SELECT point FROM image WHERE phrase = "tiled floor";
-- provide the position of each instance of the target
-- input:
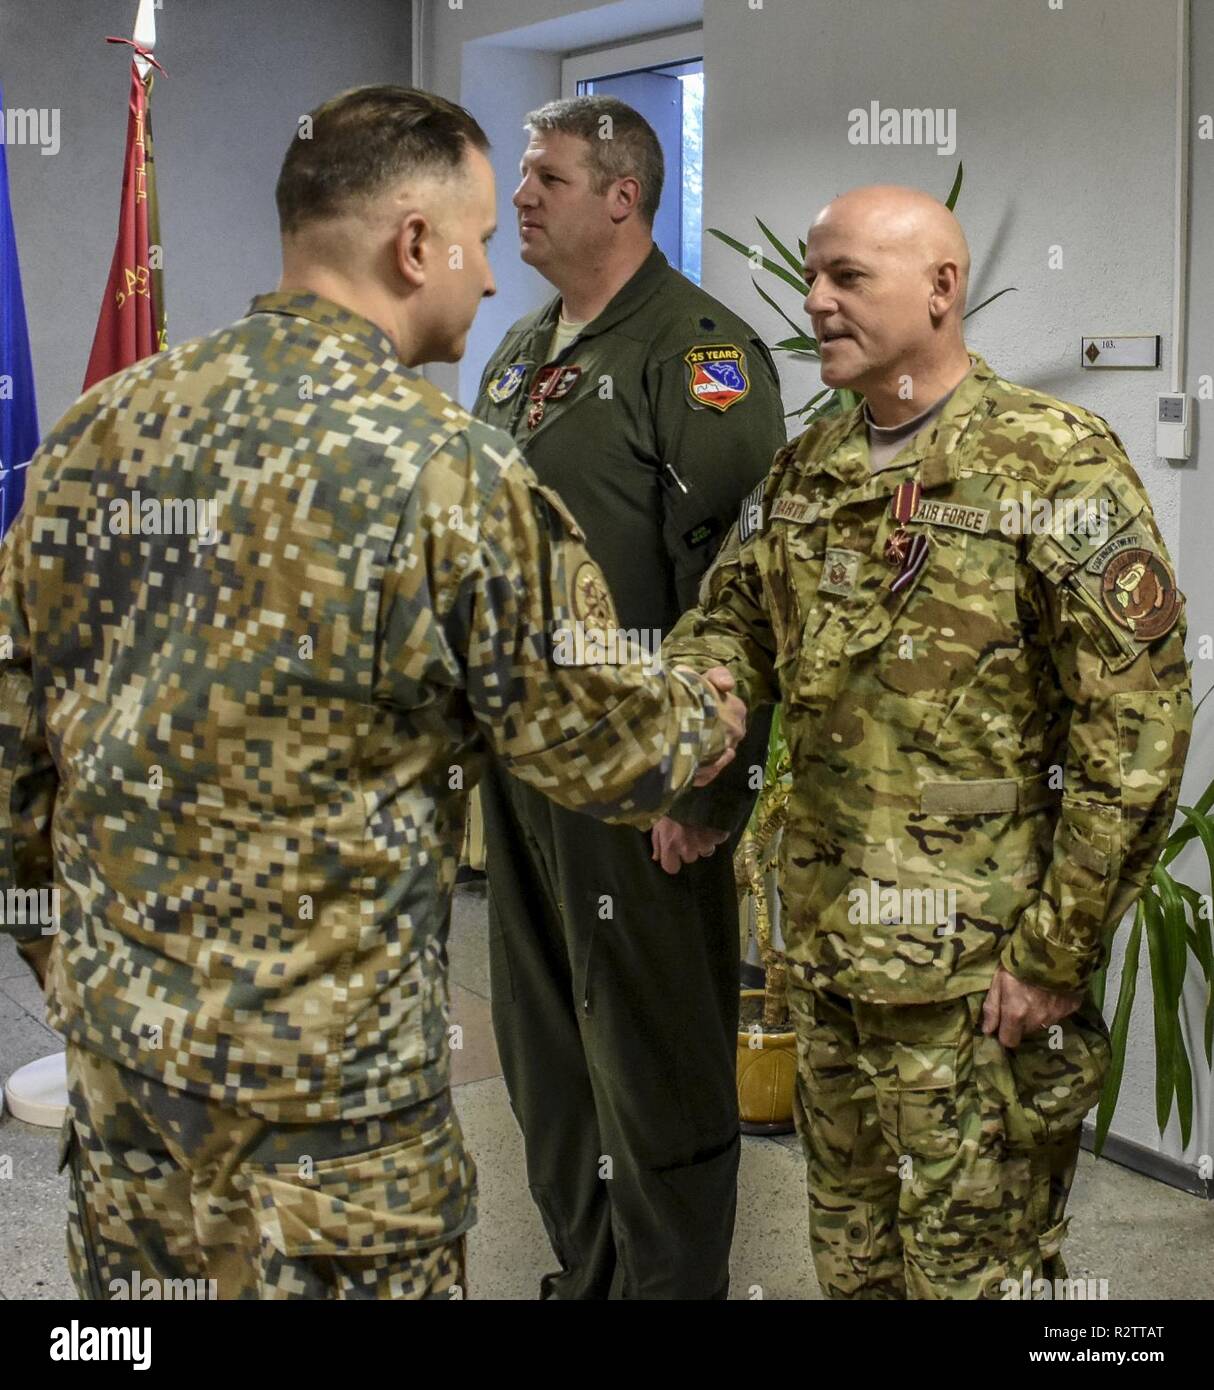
(1147, 1240)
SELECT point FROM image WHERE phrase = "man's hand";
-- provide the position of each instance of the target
(1014, 1009)
(733, 713)
(675, 844)
(36, 953)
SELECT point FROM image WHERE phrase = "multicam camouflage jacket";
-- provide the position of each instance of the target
(980, 655)
(270, 600)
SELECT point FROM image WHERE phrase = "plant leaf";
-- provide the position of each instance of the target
(1184, 1089)
(794, 280)
(1119, 1032)
(1165, 1018)
(809, 404)
(1175, 926)
(797, 328)
(1011, 289)
(951, 201)
(1100, 982)
(1181, 836)
(795, 265)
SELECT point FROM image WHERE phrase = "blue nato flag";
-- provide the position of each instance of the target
(18, 409)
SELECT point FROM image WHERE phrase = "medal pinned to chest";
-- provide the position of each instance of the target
(905, 552)
(550, 384)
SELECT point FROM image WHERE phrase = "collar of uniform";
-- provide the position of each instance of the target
(936, 451)
(305, 305)
(630, 296)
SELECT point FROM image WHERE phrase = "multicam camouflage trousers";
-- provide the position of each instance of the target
(938, 1162)
(175, 1197)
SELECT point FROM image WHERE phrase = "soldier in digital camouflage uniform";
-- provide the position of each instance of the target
(988, 722)
(244, 756)
(652, 410)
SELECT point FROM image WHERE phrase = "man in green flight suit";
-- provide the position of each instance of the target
(652, 410)
(959, 595)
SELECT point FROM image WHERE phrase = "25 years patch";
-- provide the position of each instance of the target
(717, 375)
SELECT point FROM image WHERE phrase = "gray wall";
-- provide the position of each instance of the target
(240, 73)
(1065, 121)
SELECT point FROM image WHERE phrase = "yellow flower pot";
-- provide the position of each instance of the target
(767, 1072)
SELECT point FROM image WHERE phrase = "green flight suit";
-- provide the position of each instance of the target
(615, 984)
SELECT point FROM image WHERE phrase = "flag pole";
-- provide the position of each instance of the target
(145, 36)
(37, 1092)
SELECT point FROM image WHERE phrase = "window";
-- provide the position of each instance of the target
(663, 79)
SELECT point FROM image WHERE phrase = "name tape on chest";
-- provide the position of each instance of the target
(793, 507)
(716, 375)
(934, 512)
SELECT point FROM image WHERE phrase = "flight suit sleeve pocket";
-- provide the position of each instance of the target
(1086, 870)
(403, 1199)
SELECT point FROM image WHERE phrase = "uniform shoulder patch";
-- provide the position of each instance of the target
(750, 518)
(590, 598)
(717, 376)
(1138, 589)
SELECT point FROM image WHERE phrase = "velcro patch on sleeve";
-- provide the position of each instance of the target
(716, 375)
(750, 518)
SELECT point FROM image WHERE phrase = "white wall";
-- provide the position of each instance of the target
(501, 60)
(240, 74)
(1065, 121)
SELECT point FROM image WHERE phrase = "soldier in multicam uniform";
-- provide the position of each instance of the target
(987, 719)
(244, 756)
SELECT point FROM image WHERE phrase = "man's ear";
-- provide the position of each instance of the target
(946, 285)
(413, 247)
(625, 199)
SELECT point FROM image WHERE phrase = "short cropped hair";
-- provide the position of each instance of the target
(631, 150)
(364, 140)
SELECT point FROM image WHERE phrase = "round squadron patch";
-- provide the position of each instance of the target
(1139, 591)
(592, 603)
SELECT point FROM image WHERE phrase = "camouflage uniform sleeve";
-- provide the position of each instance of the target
(730, 626)
(1118, 648)
(28, 778)
(509, 586)
(719, 457)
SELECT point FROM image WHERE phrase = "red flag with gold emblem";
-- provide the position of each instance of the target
(131, 324)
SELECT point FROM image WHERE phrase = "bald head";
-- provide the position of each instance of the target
(888, 269)
(906, 227)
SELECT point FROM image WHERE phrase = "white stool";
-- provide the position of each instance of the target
(37, 1092)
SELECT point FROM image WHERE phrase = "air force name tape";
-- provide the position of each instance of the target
(717, 375)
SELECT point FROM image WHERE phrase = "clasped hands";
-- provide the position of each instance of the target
(733, 714)
(675, 844)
